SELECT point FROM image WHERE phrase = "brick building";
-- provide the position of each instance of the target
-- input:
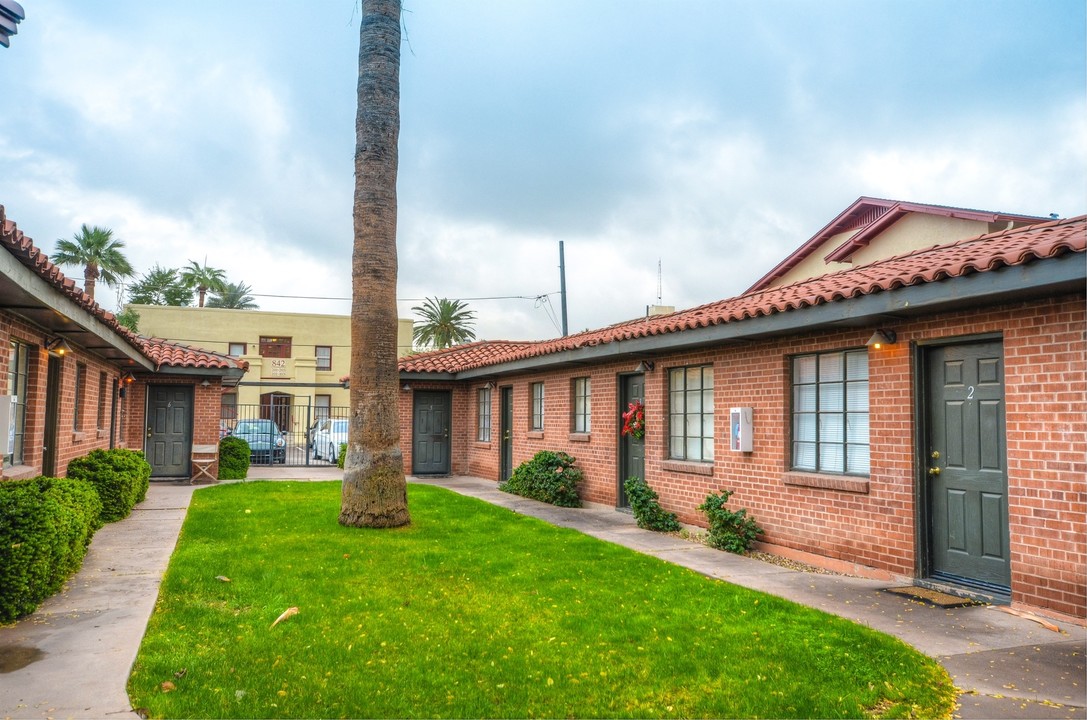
(76, 380)
(917, 412)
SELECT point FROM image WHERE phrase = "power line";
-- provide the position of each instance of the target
(495, 297)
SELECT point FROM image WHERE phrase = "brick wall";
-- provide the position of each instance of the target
(74, 438)
(121, 418)
(868, 523)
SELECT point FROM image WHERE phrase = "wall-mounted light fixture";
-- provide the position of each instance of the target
(882, 337)
(204, 383)
(58, 346)
(489, 385)
(644, 366)
(406, 387)
(128, 378)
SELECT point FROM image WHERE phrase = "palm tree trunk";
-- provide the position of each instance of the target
(90, 278)
(374, 486)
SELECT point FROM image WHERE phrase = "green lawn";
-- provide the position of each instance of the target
(474, 611)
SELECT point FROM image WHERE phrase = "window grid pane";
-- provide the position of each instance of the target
(537, 406)
(830, 412)
(690, 402)
(483, 425)
(582, 405)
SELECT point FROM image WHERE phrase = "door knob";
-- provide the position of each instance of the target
(934, 471)
(935, 454)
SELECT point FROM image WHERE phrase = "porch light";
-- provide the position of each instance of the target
(58, 346)
(128, 378)
(882, 337)
(644, 366)
(406, 387)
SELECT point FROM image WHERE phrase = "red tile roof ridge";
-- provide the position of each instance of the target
(26, 252)
(982, 253)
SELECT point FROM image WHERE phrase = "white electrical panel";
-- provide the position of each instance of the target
(8, 407)
(740, 429)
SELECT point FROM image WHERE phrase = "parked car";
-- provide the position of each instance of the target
(266, 441)
(330, 434)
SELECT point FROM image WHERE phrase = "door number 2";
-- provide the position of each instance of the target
(970, 392)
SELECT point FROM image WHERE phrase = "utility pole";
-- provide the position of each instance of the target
(562, 287)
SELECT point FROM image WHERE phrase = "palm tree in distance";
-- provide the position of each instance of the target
(203, 278)
(233, 296)
(375, 492)
(445, 323)
(98, 252)
(160, 286)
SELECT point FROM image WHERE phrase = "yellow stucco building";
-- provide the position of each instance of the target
(296, 360)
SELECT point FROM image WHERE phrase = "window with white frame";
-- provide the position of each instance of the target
(322, 404)
(236, 349)
(324, 356)
(582, 405)
(536, 421)
(690, 408)
(18, 385)
(483, 415)
(830, 412)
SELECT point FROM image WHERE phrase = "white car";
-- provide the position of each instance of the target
(327, 438)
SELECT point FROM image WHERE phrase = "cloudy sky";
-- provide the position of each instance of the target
(706, 138)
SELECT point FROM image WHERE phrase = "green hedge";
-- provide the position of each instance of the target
(46, 525)
(548, 476)
(119, 475)
(233, 458)
(645, 504)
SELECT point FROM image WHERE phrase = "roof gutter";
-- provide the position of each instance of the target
(1066, 273)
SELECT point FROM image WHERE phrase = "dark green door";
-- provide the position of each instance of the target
(52, 408)
(505, 429)
(169, 430)
(967, 471)
(631, 450)
(430, 433)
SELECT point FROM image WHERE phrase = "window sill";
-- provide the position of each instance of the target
(841, 483)
(535, 434)
(483, 445)
(102, 434)
(78, 436)
(579, 437)
(691, 468)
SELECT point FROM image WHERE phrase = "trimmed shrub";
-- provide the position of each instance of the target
(730, 530)
(233, 458)
(549, 476)
(647, 510)
(120, 476)
(46, 525)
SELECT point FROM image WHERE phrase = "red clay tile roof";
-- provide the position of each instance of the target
(975, 255)
(158, 351)
(168, 354)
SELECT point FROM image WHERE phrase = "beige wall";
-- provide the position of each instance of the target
(913, 232)
(215, 329)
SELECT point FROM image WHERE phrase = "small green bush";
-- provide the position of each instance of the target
(233, 458)
(730, 530)
(647, 510)
(549, 476)
(46, 525)
(341, 457)
(120, 476)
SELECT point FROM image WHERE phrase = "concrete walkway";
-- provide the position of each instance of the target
(72, 657)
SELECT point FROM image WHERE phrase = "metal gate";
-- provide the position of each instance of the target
(300, 427)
